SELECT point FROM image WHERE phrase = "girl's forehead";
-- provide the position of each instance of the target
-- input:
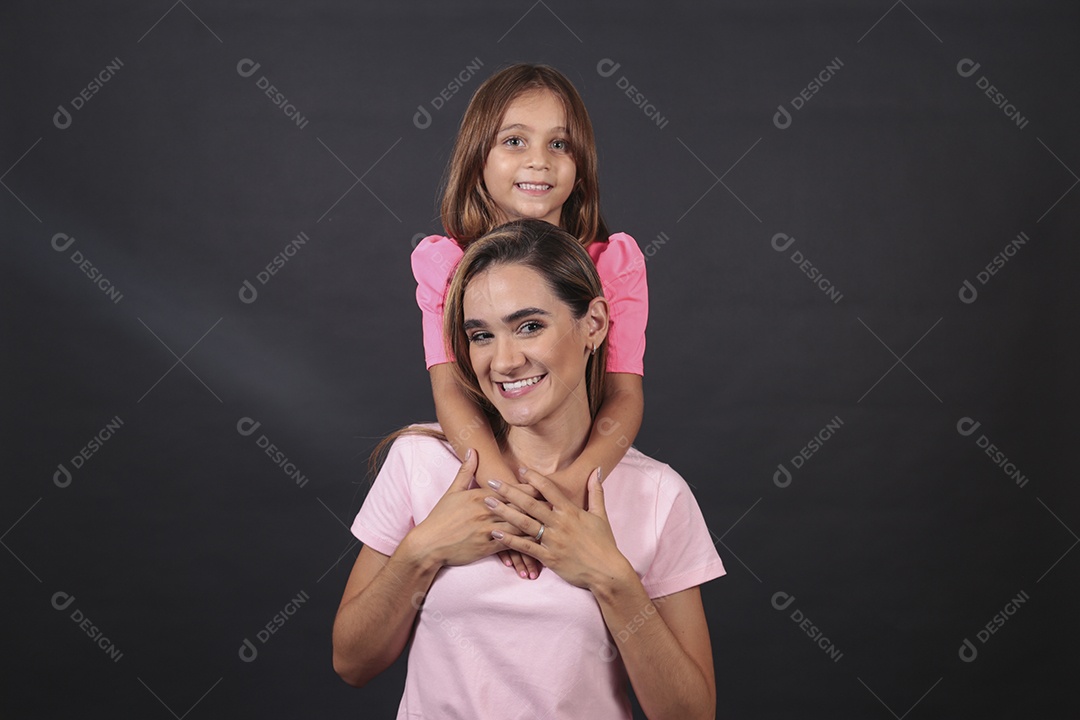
(534, 100)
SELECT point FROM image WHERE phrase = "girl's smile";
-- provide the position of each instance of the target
(530, 170)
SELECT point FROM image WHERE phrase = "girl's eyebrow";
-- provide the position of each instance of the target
(520, 126)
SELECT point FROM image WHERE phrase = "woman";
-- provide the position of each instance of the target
(526, 322)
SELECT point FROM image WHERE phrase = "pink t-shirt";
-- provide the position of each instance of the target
(489, 644)
(622, 273)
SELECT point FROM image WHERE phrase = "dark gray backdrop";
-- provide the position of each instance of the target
(148, 542)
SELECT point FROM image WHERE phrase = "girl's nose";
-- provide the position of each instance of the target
(537, 158)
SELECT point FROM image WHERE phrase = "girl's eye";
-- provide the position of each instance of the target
(479, 337)
(560, 145)
(513, 142)
(531, 327)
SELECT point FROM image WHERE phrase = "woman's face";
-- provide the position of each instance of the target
(527, 350)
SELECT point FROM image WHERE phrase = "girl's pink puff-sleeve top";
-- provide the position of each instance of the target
(622, 273)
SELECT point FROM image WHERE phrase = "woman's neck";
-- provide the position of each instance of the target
(551, 445)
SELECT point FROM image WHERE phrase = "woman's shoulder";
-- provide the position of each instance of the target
(424, 442)
(658, 475)
(424, 435)
(648, 492)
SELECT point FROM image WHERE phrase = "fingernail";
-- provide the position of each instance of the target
(494, 484)
(524, 574)
(599, 474)
(532, 576)
(521, 471)
(497, 534)
(507, 563)
(491, 502)
(468, 454)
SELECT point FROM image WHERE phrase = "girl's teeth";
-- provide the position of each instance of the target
(533, 186)
(522, 383)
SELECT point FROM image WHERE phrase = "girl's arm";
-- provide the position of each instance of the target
(616, 425)
(622, 270)
(465, 427)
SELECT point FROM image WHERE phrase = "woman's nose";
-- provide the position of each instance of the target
(508, 357)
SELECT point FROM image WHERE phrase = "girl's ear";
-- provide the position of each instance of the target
(597, 321)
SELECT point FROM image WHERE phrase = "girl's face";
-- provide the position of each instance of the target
(528, 351)
(530, 170)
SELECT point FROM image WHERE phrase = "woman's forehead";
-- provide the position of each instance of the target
(504, 289)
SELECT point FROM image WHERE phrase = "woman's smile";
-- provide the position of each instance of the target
(517, 388)
(527, 350)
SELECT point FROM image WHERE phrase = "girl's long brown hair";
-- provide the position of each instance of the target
(468, 210)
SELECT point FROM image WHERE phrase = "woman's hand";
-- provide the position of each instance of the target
(458, 529)
(576, 544)
(525, 566)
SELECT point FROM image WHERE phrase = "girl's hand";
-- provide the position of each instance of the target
(576, 544)
(458, 529)
(525, 566)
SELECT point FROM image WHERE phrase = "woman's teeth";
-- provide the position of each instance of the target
(521, 383)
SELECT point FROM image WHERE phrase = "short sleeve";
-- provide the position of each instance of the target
(433, 263)
(622, 272)
(387, 515)
(685, 553)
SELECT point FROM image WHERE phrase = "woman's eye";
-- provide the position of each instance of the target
(530, 327)
(479, 337)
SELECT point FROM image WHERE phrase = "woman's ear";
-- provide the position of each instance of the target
(597, 321)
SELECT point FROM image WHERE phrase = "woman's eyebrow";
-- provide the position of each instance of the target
(510, 319)
(523, 313)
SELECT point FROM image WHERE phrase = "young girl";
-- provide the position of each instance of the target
(525, 149)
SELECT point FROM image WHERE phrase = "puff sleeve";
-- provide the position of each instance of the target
(622, 273)
(433, 263)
